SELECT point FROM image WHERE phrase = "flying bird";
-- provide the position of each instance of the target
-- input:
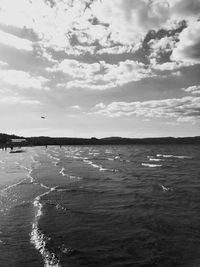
(42, 117)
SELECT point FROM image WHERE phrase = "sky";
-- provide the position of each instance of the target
(100, 68)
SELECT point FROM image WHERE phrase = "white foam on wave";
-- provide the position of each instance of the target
(76, 157)
(98, 166)
(13, 185)
(44, 186)
(153, 159)
(60, 207)
(38, 239)
(68, 175)
(93, 153)
(55, 159)
(173, 156)
(151, 165)
(33, 160)
(77, 154)
(168, 156)
(92, 164)
(74, 177)
(62, 172)
(32, 180)
(182, 157)
(108, 151)
(165, 188)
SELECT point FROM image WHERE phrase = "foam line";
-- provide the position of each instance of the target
(38, 239)
(151, 165)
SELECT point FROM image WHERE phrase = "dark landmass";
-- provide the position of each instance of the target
(45, 141)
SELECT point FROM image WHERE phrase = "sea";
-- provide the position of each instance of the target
(100, 206)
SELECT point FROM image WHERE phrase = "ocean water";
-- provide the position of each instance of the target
(100, 206)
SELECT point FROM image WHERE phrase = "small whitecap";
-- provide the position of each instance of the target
(151, 165)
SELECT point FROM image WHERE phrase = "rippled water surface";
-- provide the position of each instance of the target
(100, 206)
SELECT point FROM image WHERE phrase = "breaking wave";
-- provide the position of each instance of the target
(151, 165)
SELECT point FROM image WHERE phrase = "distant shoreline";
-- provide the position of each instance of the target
(45, 141)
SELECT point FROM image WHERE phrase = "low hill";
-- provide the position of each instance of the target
(45, 140)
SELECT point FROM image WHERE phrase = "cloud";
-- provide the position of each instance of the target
(22, 79)
(159, 49)
(101, 75)
(76, 107)
(64, 23)
(118, 49)
(77, 69)
(16, 42)
(192, 89)
(81, 38)
(188, 48)
(169, 66)
(186, 9)
(175, 108)
(12, 100)
(3, 63)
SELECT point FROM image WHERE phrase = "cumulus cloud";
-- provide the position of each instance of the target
(118, 49)
(101, 75)
(175, 108)
(188, 48)
(195, 89)
(22, 79)
(108, 22)
(158, 47)
(16, 42)
(77, 69)
(75, 36)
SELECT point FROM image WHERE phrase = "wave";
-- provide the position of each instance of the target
(76, 157)
(44, 186)
(173, 156)
(14, 185)
(182, 157)
(160, 187)
(60, 207)
(68, 175)
(151, 165)
(32, 180)
(55, 159)
(38, 239)
(165, 188)
(62, 172)
(108, 151)
(153, 159)
(98, 166)
(28, 176)
(74, 177)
